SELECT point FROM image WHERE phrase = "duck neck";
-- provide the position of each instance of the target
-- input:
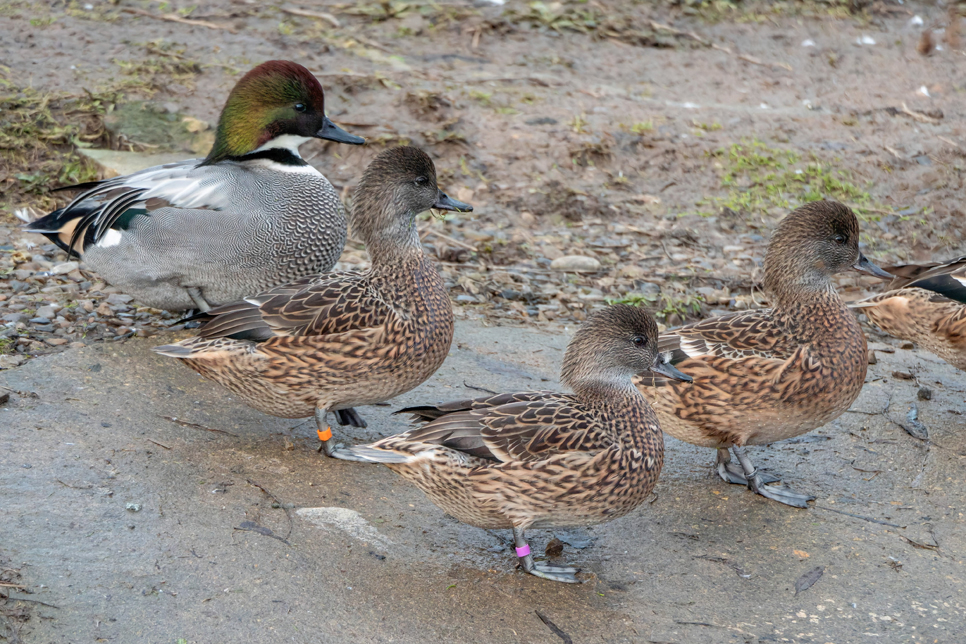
(789, 283)
(389, 248)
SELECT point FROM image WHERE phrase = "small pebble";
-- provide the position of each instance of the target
(902, 375)
(133, 507)
(872, 359)
(925, 393)
(576, 264)
(907, 345)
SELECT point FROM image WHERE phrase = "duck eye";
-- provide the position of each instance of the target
(838, 238)
(638, 340)
(421, 180)
(299, 107)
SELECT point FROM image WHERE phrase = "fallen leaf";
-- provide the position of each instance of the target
(808, 580)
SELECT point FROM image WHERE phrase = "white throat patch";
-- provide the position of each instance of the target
(288, 142)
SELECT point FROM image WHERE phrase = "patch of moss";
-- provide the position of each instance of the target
(39, 135)
(759, 178)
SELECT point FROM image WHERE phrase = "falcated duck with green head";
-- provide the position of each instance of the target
(202, 232)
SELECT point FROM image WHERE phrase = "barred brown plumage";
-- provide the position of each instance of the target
(926, 303)
(341, 339)
(542, 459)
(771, 374)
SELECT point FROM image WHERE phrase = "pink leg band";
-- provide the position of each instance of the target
(524, 550)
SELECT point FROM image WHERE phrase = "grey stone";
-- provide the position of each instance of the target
(576, 264)
(118, 298)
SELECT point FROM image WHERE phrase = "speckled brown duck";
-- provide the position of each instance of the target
(340, 340)
(542, 459)
(926, 303)
(770, 374)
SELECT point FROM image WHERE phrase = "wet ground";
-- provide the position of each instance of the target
(663, 144)
(142, 504)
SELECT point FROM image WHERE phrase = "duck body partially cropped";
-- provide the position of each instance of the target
(925, 303)
(543, 459)
(771, 374)
(339, 340)
(202, 232)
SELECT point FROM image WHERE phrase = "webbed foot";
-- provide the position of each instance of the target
(757, 483)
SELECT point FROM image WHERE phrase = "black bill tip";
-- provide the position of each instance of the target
(333, 132)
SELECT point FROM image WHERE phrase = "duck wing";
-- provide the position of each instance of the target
(330, 304)
(947, 280)
(425, 413)
(745, 334)
(524, 431)
(113, 203)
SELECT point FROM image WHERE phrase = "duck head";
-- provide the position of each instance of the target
(399, 184)
(812, 244)
(612, 346)
(278, 104)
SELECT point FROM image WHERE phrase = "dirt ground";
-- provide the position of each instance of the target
(242, 532)
(663, 140)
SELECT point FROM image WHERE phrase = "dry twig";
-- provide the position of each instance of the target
(171, 17)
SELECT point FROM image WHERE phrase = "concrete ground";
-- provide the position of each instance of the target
(245, 534)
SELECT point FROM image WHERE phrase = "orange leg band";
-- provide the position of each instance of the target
(325, 435)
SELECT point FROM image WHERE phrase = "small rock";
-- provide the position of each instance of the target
(872, 358)
(48, 311)
(119, 298)
(907, 345)
(39, 320)
(104, 310)
(554, 547)
(11, 361)
(63, 269)
(576, 264)
(902, 375)
(925, 393)
(133, 507)
(56, 342)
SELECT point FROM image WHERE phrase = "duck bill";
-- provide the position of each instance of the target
(865, 266)
(445, 202)
(666, 369)
(333, 132)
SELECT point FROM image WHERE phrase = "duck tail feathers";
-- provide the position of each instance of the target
(367, 454)
(173, 350)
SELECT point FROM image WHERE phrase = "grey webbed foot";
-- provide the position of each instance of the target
(757, 483)
(563, 574)
(350, 417)
(731, 472)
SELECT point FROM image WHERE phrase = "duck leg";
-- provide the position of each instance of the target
(756, 483)
(325, 432)
(195, 294)
(731, 472)
(350, 417)
(553, 573)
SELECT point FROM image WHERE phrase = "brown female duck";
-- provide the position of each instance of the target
(542, 459)
(339, 340)
(926, 303)
(770, 374)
